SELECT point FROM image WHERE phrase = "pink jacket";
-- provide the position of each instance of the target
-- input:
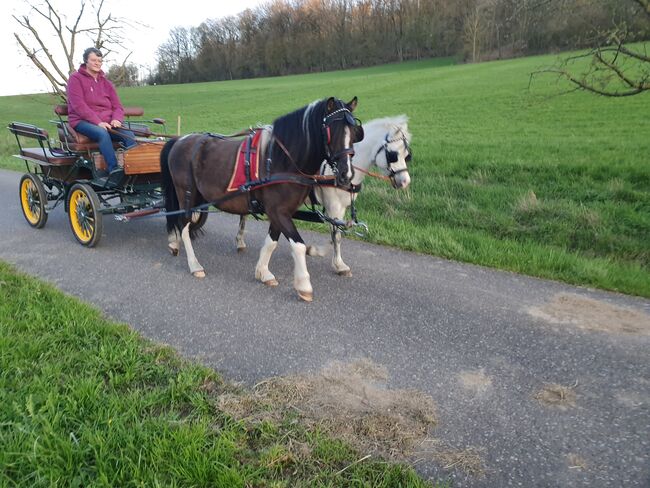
(92, 100)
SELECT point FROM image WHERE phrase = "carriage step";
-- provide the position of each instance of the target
(107, 182)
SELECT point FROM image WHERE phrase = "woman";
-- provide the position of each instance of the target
(95, 110)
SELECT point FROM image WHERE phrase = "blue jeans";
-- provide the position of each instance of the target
(105, 140)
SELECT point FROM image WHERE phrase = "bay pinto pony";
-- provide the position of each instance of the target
(386, 145)
(197, 169)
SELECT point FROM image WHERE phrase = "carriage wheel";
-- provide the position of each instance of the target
(198, 219)
(85, 217)
(33, 199)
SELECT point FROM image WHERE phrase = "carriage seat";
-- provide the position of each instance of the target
(44, 153)
(76, 142)
(52, 157)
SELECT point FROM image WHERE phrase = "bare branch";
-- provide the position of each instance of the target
(58, 86)
(582, 84)
(27, 25)
(55, 21)
(73, 36)
(645, 5)
(634, 54)
(614, 68)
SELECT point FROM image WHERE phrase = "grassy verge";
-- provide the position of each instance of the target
(506, 173)
(86, 402)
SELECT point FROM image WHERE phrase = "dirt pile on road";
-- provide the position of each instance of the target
(594, 315)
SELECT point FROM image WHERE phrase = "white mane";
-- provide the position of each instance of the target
(305, 122)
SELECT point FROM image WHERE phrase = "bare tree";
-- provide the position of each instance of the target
(126, 74)
(473, 27)
(613, 68)
(57, 61)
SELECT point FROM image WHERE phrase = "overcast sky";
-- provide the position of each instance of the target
(151, 21)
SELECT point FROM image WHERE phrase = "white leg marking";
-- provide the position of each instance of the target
(301, 281)
(339, 266)
(349, 159)
(241, 245)
(336, 202)
(262, 272)
(174, 242)
(195, 267)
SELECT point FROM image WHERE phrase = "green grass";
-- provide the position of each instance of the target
(86, 402)
(506, 173)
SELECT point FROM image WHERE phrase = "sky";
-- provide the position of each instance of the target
(150, 20)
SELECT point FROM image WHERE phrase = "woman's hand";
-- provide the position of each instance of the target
(116, 123)
(104, 125)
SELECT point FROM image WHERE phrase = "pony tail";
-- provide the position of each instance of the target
(167, 185)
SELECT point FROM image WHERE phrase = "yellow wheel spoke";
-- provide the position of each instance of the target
(30, 201)
(82, 217)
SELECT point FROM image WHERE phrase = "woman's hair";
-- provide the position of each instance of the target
(94, 51)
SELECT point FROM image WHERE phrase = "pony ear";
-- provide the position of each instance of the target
(331, 104)
(352, 104)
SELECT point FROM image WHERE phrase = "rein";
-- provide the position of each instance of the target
(371, 174)
(142, 134)
(314, 177)
(168, 136)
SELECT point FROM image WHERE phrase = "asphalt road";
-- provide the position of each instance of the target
(431, 323)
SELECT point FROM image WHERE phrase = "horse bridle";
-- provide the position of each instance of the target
(392, 156)
(342, 113)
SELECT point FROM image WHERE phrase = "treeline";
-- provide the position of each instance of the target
(298, 36)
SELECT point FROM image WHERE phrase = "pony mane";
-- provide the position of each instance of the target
(300, 132)
(387, 125)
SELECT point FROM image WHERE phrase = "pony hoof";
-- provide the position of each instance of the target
(173, 251)
(316, 251)
(272, 282)
(346, 273)
(199, 274)
(240, 250)
(306, 296)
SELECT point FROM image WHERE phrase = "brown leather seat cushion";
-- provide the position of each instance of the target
(57, 158)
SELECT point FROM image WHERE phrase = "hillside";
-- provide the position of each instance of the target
(506, 173)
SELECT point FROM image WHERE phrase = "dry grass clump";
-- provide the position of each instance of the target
(554, 395)
(576, 462)
(527, 202)
(467, 460)
(350, 401)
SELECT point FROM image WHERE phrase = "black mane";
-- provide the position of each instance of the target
(304, 141)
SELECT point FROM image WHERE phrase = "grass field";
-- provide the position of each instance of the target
(86, 402)
(506, 173)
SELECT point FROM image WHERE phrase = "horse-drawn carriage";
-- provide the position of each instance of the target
(309, 148)
(67, 169)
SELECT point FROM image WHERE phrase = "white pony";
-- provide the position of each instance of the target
(386, 144)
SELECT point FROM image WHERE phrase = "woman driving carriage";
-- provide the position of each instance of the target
(95, 110)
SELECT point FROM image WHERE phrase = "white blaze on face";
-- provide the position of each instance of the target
(348, 144)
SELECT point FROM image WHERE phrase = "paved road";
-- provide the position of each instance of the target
(459, 333)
